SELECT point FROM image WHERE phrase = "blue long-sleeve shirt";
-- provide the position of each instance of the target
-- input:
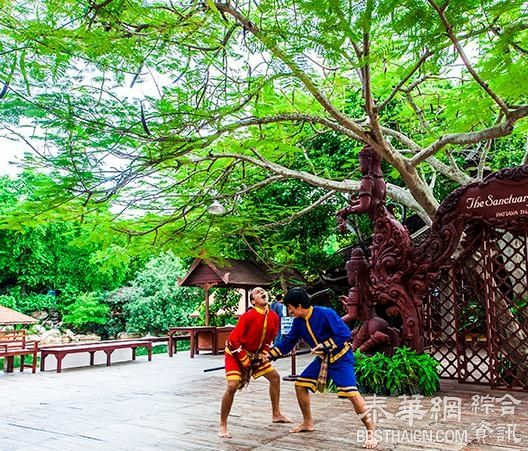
(321, 325)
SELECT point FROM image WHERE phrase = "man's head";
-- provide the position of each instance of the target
(259, 297)
(279, 297)
(298, 302)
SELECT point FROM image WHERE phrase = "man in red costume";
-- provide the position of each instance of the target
(246, 346)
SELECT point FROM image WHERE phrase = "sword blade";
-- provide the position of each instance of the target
(218, 368)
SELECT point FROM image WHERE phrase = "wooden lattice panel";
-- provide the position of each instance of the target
(476, 315)
(507, 296)
(440, 337)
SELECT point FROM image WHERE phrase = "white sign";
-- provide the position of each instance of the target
(286, 324)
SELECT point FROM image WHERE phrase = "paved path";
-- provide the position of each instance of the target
(170, 404)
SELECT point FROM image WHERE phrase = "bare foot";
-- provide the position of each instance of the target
(370, 443)
(223, 433)
(303, 427)
(281, 419)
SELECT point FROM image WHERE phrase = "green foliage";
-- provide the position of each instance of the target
(222, 108)
(223, 309)
(71, 257)
(371, 371)
(155, 302)
(406, 372)
(33, 302)
(307, 243)
(85, 312)
(8, 301)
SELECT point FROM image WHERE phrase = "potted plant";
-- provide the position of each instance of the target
(406, 372)
(371, 372)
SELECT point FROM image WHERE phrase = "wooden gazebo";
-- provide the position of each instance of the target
(10, 317)
(229, 273)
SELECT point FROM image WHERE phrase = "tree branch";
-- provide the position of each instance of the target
(250, 121)
(297, 71)
(346, 186)
(469, 67)
(497, 131)
(304, 211)
(397, 193)
(452, 173)
(404, 197)
(395, 90)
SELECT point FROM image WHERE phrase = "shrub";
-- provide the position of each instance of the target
(371, 372)
(226, 302)
(28, 303)
(406, 372)
(155, 301)
(8, 301)
(86, 312)
(36, 302)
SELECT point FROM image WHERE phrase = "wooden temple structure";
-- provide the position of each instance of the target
(228, 273)
(10, 317)
(462, 294)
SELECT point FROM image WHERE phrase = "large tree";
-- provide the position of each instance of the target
(164, 106)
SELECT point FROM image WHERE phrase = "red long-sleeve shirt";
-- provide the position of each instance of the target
(254, 332)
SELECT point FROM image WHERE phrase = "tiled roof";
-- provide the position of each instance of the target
(9, 316)
(234, 273)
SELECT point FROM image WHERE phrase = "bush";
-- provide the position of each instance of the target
(226, 302)
(28, 303)
(155, 301)
(406, 372)
(8, 301)
(86, 312)
(36, 302)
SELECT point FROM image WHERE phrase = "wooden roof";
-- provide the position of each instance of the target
(231, 273)
(11, 317)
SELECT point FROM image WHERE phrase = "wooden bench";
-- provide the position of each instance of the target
(108, 347)
(14, 343)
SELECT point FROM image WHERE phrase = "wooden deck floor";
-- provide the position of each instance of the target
(170, 404)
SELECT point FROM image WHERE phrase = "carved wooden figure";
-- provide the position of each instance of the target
(391, 252)
(374, 334)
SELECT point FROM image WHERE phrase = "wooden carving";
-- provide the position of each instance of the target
(399, 275)
(374, 334)
(390, 262)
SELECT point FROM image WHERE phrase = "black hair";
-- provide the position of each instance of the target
(297, 297)
(279, 297)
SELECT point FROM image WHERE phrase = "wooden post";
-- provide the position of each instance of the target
(207, 314)
(293, 376)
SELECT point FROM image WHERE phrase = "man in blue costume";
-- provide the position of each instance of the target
(328, 336)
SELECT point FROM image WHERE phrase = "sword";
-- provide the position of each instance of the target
(217, 368)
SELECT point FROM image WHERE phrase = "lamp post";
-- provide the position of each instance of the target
(216, 208)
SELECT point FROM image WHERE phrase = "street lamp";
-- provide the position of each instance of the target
(216, 208)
